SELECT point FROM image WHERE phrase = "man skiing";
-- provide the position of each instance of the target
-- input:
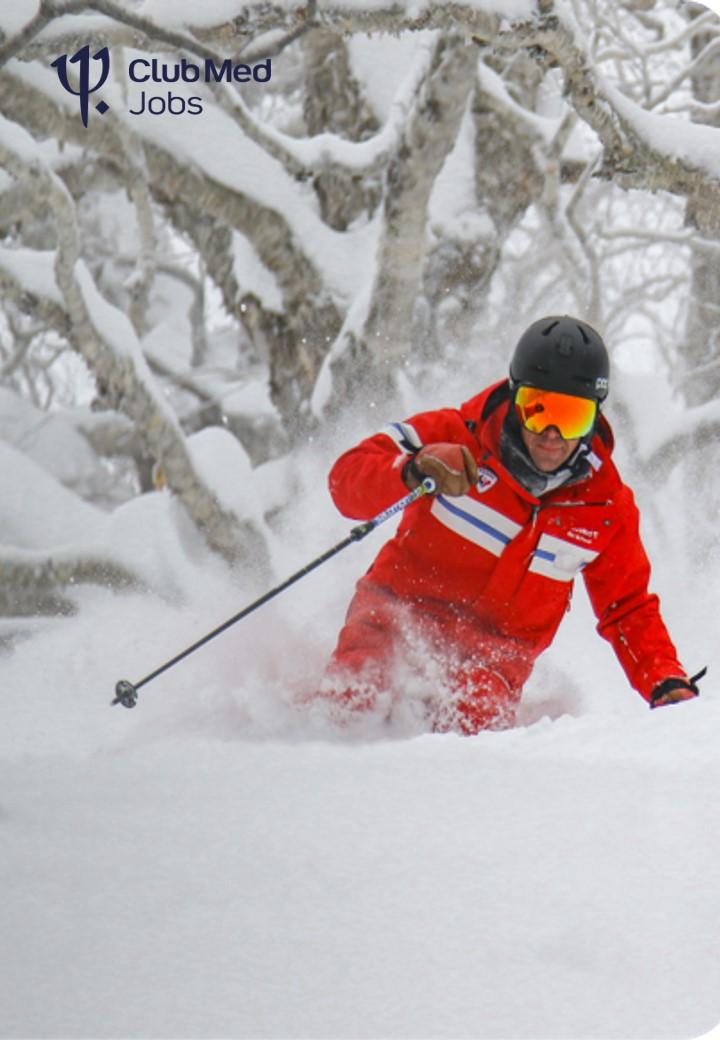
(480, 574)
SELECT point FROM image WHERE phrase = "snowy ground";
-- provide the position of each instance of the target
(212, 865)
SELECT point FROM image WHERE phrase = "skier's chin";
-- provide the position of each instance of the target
(548, 460)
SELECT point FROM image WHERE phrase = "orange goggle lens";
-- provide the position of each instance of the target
(537, 409)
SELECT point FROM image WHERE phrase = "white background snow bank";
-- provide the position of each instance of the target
(217, 864)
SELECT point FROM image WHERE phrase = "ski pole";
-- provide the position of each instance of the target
(126, 693)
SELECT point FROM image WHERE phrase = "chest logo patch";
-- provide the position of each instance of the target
(486, 479)
(583, 534)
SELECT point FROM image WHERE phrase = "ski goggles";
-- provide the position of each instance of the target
(537, 409)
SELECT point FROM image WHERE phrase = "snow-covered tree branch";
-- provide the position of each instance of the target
(343, 222)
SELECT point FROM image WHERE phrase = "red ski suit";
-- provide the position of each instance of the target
(486, 578)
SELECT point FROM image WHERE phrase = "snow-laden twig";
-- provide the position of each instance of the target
(141, 280)
(707, 54)
(196, 311)
(707, 20)
(678, 238)
(594, 299)
(47, 12)
(22, 346)
(640, 148)
(33, 583)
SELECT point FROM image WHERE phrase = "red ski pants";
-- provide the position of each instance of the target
(474, 676)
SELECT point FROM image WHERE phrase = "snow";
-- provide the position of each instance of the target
(56, 442)
(684, 141)
(388, 65)
(218, 862)
(452, 206)
(391, 70)
(58, 524)
(352, 325)
(169, 342)
(252, 400)
(299, 929)
(111, 323)
(18, 140)
(115, 328)
(711, 5)
(62, 28)
(16, 15)
(252, 276)
(32, 268)
(39, 517)
(169, 13)
(216, 12)
(653, 436)
(222, 463)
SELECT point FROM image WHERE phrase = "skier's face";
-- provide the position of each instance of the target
(548, 450)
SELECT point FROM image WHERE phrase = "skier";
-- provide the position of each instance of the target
(480, 574)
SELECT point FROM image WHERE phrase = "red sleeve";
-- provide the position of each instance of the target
(628, 614)
(368, 478)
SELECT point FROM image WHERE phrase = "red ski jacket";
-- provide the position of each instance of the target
(504, 557)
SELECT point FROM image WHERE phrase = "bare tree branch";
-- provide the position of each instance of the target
(47, 12)
(384, 333)
(32, 583)
(632, 156)
(122, 374)
(312, 315)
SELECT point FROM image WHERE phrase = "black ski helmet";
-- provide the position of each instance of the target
(563, 354)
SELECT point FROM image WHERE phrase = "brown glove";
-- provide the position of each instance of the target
(451, 466)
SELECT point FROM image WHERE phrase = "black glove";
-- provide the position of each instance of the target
(671, 691)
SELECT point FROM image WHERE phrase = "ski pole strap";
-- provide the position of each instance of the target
(425, 488)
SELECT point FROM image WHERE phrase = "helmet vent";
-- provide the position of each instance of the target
(583, 333)
(548, 330)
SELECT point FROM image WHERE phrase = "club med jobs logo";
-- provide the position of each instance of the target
(92, 71)
(82, 59)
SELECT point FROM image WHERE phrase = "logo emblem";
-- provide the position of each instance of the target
(486, 479)
(583, 534)
(601, 383)
(82, 59)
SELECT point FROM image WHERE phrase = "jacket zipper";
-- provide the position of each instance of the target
(577, 505)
